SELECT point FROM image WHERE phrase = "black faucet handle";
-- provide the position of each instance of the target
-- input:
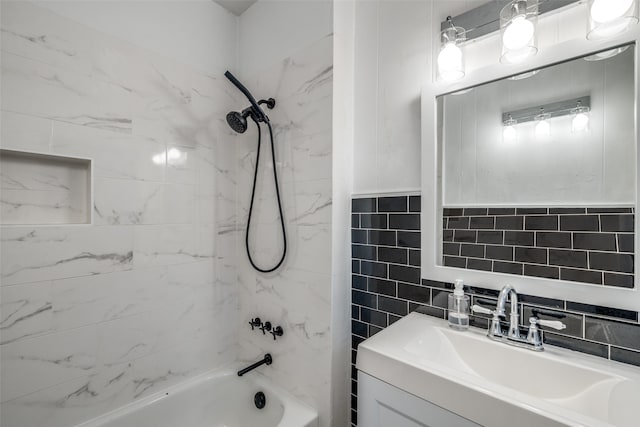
(277, 332)
(255, 323)
(266, 327)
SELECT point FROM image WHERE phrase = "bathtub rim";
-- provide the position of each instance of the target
(296, 412)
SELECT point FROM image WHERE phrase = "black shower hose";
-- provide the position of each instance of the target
(253, 193)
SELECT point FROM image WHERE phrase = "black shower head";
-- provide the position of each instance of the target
(238, 121)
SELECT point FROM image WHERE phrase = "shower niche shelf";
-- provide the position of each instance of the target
(42, 189)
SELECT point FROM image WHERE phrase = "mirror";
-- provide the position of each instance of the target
(538, 172)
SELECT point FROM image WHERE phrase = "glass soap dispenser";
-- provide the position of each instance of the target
(459, 308)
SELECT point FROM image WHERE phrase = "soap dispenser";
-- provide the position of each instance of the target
(459, 308)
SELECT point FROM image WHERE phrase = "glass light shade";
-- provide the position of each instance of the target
(543, 127)
(608, 18)
(451, 57)
(580, 122)
(509, 132)
(518, 22)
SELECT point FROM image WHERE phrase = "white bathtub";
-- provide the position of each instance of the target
(215, 399)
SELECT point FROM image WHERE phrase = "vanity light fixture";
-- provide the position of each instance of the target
(599, 56)
(543, 128)
(451, 57)
(509, 132)
(608, 18)
(518, 21)
(580, 122)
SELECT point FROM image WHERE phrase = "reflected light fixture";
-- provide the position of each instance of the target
(608, 18)
(606, 54)
(451, 57)
(580, 122)
(543, 128)
(509, 132)
(518, 21)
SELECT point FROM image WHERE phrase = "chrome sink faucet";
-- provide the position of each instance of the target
(514, 316)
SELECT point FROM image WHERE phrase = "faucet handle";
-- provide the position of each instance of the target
(480, 309)
(494, 328)
(555, 324)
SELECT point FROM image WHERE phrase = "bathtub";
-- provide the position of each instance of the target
(215, 399)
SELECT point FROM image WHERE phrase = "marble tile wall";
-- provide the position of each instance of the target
(298, 295)
(95, 316)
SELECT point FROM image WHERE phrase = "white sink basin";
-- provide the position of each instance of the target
(494, 384)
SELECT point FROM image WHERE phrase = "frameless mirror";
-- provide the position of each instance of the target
(539, 172)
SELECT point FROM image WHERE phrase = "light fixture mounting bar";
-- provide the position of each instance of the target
(485, 19)
(554, 109)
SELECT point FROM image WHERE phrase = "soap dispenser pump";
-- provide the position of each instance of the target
(459, 308)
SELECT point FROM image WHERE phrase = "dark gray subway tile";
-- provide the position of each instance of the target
(363, 205)
(375, 269)
(374, 317)
(359, 328)
(419, 294)
(472, 250)
(594, 241)
(395, 255)
(451, 248)
(567, 258)
(585, 276)
(546, 302)
(507, 267)
(502, 211)
(478, 322)
(359, 282)
(447, 235)
(541, 222)
(428, 310)
(491, 237)
(392, 204)
(565, 211)
(548, 239)
(622, 263)
(414, 204)
(405, 221)
(363, 298)
(482, 223)
(626, 243)
(532, 211)
(519, 238)
(386, 238)
(541, 271)
(364, 252)
(393, 319)
(440, 298)
(593, 348)
(574, 322)
(619, 280)
(579, 223)
(458, 222)
(381, 286)
(392, 305)
(355, 342)
(465, 236)
(452, 212)
(414, 258)
(355, 312)
(479, 264)
(610, 210)
(625, 356)
(509, 222)
(475, 211)
(620, 223)
(355, 221)
(620, 334)
(409, 239)
(374, 330)
(355, 266)
(453, 261)
(358, 236)
(504, 253)
(373, 221)
(531, 255)
(603, 311)
(404, 273)
(436, 284)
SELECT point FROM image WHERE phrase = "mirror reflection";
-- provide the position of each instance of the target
(538, 172)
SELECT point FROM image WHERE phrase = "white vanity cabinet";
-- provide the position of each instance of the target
(383, 405)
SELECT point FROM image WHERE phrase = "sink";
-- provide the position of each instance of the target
(492, 384)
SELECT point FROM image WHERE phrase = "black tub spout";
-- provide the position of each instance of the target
(267, 360)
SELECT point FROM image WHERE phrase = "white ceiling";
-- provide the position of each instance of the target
(237, 7)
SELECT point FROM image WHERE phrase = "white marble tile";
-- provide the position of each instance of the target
(47, 253)
(23, 132)
(120, 202)
(165, 245)
(32, 364)
(179, 204)
(25, 311)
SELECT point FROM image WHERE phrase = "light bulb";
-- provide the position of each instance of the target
(518, 34)
(509, 133)
(450, 62)
(543, 129)
(603, 11)
(580, 122)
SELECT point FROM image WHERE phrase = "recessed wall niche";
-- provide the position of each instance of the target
(39, 189)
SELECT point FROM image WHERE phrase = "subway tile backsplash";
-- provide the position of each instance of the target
(591, 245)
(387, 282)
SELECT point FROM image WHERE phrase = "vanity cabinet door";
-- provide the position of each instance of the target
(382, 405)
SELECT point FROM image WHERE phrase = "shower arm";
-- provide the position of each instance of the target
(261, 115)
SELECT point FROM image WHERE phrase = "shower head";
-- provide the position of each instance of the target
(258, 114)
(238, 121)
